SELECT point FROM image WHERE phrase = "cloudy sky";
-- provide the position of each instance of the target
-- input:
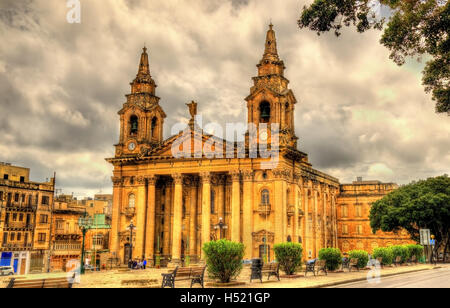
(62, 84)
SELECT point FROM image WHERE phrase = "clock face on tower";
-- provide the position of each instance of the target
(132, 146)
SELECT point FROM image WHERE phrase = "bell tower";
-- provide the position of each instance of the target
(141, 118)
(270, 100)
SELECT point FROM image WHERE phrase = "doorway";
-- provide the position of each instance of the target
(126, 253)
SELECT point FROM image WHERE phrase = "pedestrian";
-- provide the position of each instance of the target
(144, 263)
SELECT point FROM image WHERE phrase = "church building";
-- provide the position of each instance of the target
(169, 207)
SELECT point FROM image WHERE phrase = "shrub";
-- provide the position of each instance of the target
(415, 250)
(333, 256)
(289, 256)
(361, 255)
(400, 251)
(385, 253)
(224, 259)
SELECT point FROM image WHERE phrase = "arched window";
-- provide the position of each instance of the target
(213, 203)
(131, 200)
(264, 112)
(134, 125)
(345, 246)
(265, 197)
(360, 245)
(154, 125)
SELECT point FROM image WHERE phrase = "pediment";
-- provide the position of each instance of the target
(182, 139)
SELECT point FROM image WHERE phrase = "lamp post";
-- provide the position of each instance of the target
(221, 226)
(131, 227)
(84, 223)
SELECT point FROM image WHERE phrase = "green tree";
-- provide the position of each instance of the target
(224, 259)
(414, 28)
(289, 256)
(422, 204)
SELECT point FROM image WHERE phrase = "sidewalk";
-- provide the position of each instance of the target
(152, 278)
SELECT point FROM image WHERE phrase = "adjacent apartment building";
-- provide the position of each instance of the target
(25, 214)
(353, 212)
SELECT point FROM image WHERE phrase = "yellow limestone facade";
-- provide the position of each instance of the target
(176, 204)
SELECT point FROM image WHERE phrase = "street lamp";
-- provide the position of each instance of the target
(220, 226)
(131, 227)
(84, 223)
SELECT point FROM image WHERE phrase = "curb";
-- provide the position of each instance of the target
(331, 284)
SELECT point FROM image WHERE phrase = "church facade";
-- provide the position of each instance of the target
(167, 206)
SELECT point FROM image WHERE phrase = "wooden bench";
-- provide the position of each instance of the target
(380, 261)
(271, 269)
(398, 261)
(316, 267)
(194, 274)
(43, 283)
(413, 260)
(353, 264)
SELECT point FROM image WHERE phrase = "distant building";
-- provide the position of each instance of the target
(67, 236)
(25, 214)
(353, 211)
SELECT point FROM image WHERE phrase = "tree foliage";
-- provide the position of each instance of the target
(413, 28)
(332, 256)
(415, 250)
(289, 256)
(423, 204)
(361, 255)
(224, 259)
(400, 251)
(385, 254)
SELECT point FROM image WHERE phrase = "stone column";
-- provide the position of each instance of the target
(325, 227)
(315, 222)
(247, 227)
(117, 205)
(305, 216)
(140, 217)
(151, 222)
(193, 221)
(294, 188)
(279, 196)
(221, 197)
(177, 218)
(235, 206)
(167, 216)
(334, 221)
(206, 210)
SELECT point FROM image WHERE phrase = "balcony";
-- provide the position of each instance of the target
(129, 212)
(65, 236)
(19, 206)
(264, 210)
(18, 225)
(16, 246)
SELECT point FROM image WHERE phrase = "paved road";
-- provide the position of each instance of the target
(436, 278)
